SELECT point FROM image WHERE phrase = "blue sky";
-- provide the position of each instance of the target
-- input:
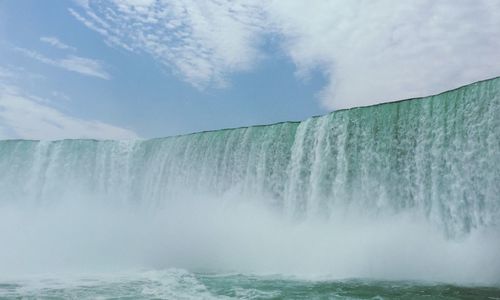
(151, 68)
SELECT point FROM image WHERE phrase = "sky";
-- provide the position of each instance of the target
(126, 69)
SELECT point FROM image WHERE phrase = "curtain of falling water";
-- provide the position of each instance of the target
(437, 156)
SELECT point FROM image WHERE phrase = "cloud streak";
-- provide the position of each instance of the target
(55, 42)
(203, 42)
(73, 63)
(369, 51)
(26, 116)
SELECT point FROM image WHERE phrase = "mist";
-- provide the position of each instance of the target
(203, 235)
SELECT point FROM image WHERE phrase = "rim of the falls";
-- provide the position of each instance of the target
(279, 122)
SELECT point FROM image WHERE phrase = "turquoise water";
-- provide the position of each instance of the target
(405, 194)
(180, 284)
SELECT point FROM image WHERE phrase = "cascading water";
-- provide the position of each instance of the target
(329, 195)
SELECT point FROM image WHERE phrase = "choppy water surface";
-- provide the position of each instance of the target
(181, 284)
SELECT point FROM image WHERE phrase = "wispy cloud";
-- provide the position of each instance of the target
(372, 51)
(73, 63)
(85, 66)
(55, 42)
(60, 95)
(6, 73)
(368, 50)
(202, 41)
(26, 116)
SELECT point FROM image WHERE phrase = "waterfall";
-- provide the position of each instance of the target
(435, 159)
(439, 156)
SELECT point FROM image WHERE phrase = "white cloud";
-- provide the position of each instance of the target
(83, 3)
(6, 73)
(204, 41)
(373, 51)
(73, 63)
(60, 95)
(370, 51)
(27, 117)
(85, 66)
(55, 42)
